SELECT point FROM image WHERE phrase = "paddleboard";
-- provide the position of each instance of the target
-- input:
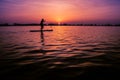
(40, 30)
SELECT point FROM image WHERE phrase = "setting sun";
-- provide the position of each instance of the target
(59, 20)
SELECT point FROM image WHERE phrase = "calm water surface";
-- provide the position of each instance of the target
(65, 53)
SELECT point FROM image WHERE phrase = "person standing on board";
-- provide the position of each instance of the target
(42, 24)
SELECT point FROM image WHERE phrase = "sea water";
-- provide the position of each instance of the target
(67, 52)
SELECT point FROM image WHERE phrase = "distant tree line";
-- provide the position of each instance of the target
(54, 24)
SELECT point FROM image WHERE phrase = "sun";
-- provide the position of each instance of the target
(59, 20)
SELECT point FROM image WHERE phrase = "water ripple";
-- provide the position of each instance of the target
(85, 52)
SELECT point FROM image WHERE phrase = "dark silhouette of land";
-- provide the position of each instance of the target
(55, 24)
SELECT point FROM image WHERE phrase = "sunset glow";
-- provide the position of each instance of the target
(66, 11)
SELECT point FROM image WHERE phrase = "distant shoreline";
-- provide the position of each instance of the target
(51, 24)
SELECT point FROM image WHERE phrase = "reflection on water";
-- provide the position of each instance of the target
(42, 38)
(86, 52)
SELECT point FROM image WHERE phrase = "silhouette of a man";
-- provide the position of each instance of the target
(42, 23)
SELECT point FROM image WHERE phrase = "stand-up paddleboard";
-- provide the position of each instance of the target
(41, 30)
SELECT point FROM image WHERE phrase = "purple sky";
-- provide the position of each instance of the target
(67, 11)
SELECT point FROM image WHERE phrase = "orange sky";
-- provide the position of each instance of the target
(68, 11)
